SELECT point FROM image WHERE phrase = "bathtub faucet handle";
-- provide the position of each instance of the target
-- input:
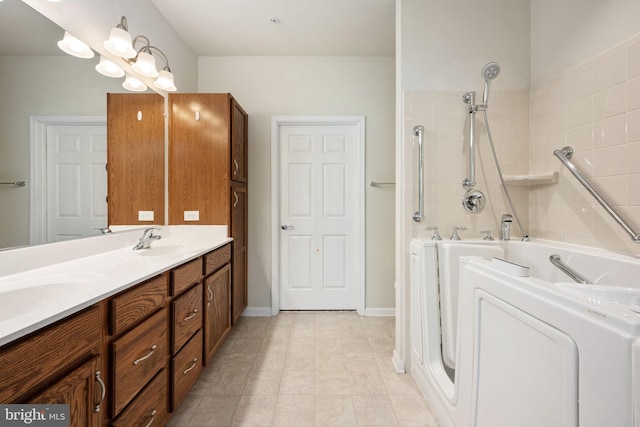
(436, 234)
(487, 234)
(454, 235)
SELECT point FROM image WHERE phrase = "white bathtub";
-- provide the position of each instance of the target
(492, 349)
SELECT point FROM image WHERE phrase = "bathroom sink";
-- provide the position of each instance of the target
(596, 293)
(24, 296)
(162, 250)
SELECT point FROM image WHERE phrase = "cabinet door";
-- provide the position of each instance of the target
(82, 389)
(135, 157)
(239, 129)
(217, 310)
(239, 234)
(199, 158)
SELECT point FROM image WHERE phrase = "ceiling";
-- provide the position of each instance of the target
(237, 27)
(304, 27)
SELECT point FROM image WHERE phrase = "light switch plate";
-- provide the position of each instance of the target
(145, 215)
(191, 215)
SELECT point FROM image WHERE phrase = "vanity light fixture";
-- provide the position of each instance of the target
(75, 47)
(142, 59)
(108, 68)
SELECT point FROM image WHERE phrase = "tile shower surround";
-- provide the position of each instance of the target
(594, 107)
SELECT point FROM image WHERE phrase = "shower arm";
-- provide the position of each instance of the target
(564, 155)
(418, 131)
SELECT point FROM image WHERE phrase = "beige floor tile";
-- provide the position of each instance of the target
(413, 411)
(255, 411)
(298, 383)
(374, 410)
(316, 369)
(334, 411)
(300, 362)
(294, 411)
(263, 382)
(215, 409)
(365, 382)
(334, 382)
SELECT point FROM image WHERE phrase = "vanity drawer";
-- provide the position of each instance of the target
(149, 407)
(130, 307)
(48, 353)
(137, 356)
(216, 259)
(186, 275)
(186, 315)
(187, 366)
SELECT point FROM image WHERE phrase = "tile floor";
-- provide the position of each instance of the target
(305, 369)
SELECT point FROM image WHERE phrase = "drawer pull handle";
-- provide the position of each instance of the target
(210, 295)
(153, 415)
(153, 348)
(103, 391)
(235, 203)
(193, 365)
(235, 171)
(193, 314)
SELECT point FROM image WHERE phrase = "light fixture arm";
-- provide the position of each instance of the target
(123, 24)
(161, 53)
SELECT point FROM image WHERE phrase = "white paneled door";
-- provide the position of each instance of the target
(320, 214)
(76, 180)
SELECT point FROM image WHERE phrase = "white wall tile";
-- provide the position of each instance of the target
(610, 102)
(610, 131)
(611, 71)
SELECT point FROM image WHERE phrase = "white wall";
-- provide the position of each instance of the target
(267, 86)
(565, 33)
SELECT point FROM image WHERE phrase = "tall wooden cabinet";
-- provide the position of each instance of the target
(208, 173)
(135, 158)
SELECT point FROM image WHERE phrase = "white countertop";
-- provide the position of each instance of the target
(42, 284)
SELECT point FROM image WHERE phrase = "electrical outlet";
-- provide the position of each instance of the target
(191, 215)
(145, 215)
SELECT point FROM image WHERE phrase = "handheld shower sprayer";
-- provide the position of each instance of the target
(488, 73)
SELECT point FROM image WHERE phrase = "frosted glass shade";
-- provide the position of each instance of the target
(165, 81)
(108, 68)
(75, 47)
(133, 84)
(145, 65)
(119, 43)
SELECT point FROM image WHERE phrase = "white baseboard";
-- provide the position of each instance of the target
(256, 312)
(380, 312)
(398, 363)
(368, 312)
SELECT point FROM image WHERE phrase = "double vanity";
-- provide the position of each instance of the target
(119, 334)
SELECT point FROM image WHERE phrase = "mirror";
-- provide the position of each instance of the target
(38, 79)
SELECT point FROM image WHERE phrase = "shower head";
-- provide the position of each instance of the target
(488, 73)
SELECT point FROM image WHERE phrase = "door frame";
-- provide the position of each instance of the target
(38, 167)
(277, 122)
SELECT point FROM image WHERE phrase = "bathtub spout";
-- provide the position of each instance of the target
(505, 227)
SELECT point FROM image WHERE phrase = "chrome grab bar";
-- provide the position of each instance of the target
(555, 260)
(564, 155)
(418, 131)
(470, 98)
(16, 183)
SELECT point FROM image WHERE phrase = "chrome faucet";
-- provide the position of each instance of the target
(146, 239)
(454, 234)
(505, 227)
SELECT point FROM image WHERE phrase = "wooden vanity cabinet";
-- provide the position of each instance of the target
(135, 157)
(139, 349)
(186, 329)
(58, 364)
(217, 291)
(208, 163)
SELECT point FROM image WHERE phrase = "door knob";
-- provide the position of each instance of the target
(286, 227)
